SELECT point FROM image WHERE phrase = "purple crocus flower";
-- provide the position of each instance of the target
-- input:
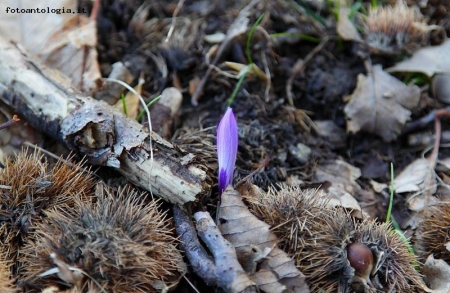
(227, 144)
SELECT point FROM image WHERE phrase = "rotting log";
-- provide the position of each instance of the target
(46, 99)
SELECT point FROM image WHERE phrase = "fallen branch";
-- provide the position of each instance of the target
(92, 128)
(223, 269)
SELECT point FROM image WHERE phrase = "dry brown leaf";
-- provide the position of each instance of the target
(256, 248)
(253, 70)
(342, 177)
(64, 41)
(417, 177)
(72, 50)
(345, 28)
(429, 60)
(380, 104)
(437, 275)
(377, 186)
(32, 30)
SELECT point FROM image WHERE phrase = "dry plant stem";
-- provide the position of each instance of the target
(9, 122)
(437, 129)
(199, 90)
(223, 269)
(174, 17)
(299, 68)
(93, 129)
(422, 122)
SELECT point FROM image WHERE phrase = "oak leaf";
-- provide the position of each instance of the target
(380, 104)
(428, 60)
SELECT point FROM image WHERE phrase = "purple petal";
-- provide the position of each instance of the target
(227, 144)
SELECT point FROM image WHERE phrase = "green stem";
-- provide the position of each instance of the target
(297, 35)
(238, 85)
(250, 36)
(139, 116)
(122, 97)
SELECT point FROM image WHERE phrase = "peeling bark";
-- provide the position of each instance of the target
(94, 129)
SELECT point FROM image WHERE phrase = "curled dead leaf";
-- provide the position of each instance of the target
(437, 275)
(273, 272)
(429, 60)
(417, 177)
(342, 177)
(345, 28)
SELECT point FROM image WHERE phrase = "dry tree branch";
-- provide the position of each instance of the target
(45, 98)
(223, 269)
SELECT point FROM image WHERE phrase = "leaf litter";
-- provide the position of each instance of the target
(375, 116)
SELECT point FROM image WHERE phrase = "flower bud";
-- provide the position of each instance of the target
(227, 143)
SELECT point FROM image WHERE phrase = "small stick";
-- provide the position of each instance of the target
(437, 128)
(299, 68)
(9, 122)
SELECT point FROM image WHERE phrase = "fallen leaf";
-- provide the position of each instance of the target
(345, 28)
(429, 60)
(250, 70)
(417, 177)
(32, 30)
(380, 104)
(437, 275)
(329, 130)
(72, 50)
(66, 41)
(341, 175)
(273, 272)
(338, 171)
(378, 187)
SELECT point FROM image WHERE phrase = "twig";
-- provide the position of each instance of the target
(223, 269)
(299, 68)
(174, 17)
(422, 122)
(437, 128)
(9, 122)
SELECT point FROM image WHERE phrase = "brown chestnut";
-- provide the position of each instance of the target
(361, 259)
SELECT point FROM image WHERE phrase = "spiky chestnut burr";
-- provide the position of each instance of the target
(29, 187)
(432, 235)
(120, 243)
(336, 252)
(6, 281)
(393, 269)
(390, 29)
